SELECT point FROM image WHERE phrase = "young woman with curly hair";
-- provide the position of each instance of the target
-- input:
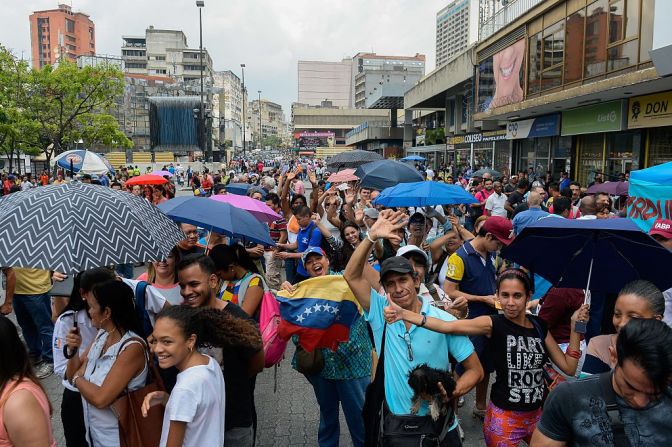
(195, 407)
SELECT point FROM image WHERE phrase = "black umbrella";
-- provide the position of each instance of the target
(481, 172)
(385, 173)
(77, 226)
(352, 159)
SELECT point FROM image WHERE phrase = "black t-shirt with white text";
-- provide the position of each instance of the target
(519, 355)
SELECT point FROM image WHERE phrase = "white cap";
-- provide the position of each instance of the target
(407, 249)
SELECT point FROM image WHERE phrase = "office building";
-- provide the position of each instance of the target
(60, 34)
(377, 79)
(325, 81)
(164, 53)
(228, 107)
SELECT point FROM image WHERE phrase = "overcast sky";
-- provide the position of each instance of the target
(269, 36)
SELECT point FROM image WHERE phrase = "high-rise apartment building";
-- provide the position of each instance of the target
(375, 76)
(164, 53)
(456, 29)
(325, 81)
(227, 107)
(58, 34)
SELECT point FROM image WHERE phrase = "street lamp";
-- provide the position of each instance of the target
(200, 4)
(244, 123)
(260, 143)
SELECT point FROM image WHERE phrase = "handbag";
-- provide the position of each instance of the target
(309, 363)
(135, 430)
(410, 431)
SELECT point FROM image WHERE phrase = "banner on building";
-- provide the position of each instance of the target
(650, 111)
(650, 195)
(543, 126)
(605, 117)
(501, 77)
(480, 137)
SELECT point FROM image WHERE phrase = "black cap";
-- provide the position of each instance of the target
(396, 264)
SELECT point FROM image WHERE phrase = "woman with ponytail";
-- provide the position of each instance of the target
(245, 286)
(520, 345)
(195, 408)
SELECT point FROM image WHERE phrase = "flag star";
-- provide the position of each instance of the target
(308, 311)
(317, 307)
(300, 318)
(327, 308)
(336, 310)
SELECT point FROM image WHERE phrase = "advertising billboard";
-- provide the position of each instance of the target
(501, 77)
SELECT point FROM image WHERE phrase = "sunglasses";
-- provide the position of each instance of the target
(409, 348)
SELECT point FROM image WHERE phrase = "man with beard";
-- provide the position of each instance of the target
(189, 245)
(198, 287)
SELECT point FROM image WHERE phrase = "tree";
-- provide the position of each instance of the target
(71, 104)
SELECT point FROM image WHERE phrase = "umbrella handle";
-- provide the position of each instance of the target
(587, 298)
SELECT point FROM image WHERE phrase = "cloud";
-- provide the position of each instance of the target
(269, 36)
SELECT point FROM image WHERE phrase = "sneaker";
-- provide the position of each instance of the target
(44, 370)
(460, 402)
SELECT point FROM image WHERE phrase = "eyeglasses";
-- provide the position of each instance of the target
(409, 348)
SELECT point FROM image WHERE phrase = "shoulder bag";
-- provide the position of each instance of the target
(135, 430)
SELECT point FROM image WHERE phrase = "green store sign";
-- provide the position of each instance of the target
(607, 117)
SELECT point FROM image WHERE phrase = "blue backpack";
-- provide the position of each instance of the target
(141, 309)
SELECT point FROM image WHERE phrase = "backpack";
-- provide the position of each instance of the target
(269, 322)
(141, 309)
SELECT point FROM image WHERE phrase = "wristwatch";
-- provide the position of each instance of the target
(424, 319)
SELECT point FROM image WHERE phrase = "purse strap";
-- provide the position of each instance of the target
(153, 372)
(613, 412)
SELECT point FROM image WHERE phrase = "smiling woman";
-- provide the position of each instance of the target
(506, 67)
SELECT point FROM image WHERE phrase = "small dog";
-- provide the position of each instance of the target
(424, 381)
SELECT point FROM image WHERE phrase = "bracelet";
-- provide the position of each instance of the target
(424, 319)
(74, 379)
(466, 315)
(369, 238)
(573, 353)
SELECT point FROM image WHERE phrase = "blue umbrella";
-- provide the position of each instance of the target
(423, 194)
(600, 255)
(239, 189)
(86, 162)
(385, 173)
(413, 158)
(217, 216)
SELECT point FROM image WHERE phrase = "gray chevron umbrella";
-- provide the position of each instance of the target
(352, 159)
(74, 227)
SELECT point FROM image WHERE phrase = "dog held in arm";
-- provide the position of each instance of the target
(424, 381)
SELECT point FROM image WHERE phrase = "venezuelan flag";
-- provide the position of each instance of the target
(320, 311)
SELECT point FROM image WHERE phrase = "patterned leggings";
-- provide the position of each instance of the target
(505, 428)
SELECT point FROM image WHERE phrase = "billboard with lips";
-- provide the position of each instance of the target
(501, 77)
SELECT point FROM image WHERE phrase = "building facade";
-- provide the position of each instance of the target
(228, 105)
(60, 34)
(164, 53)
(375, 76)
(266, 119)
(325, 81)
(452, 30)
(575, 84)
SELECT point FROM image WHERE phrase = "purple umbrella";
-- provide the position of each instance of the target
(162, 173)
(258, 209)
(611, 188)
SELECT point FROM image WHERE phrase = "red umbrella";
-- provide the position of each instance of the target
(346, 175)
(147, 179)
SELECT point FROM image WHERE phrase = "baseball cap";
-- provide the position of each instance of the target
(408, 249)
(662, 227)
(371, 213)
(500, 227)
(396, 264)
(310, 251)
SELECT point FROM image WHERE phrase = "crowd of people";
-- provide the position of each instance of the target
(434, 292)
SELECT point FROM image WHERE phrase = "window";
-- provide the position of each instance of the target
(534, 72)
(69, 26)
(595, 43)
(646, 36)
(622, 56)
(553, 55)
(574, 46)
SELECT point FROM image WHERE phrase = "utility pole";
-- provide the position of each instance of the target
(242, 67)
(201, 115)
(260, 136)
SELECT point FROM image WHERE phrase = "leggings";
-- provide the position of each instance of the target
(507, 428)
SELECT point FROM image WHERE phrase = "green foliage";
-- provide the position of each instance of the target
(50, 109)
(272, 141)
(435, 136)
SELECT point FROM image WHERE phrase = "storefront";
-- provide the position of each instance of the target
(602, 145)
(537, 144)
(653, 113)
(481, 149)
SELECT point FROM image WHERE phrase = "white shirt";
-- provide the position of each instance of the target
(495, 204)
(430, 173)
(154, 298)
(198, 399)
(61, 328)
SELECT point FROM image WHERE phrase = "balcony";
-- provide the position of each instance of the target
(494, 20)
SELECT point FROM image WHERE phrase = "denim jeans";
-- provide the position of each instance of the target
(33, 313)
(350, 394)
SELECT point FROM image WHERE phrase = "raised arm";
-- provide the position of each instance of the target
(388, 221)
(568, 361)
(476, 326)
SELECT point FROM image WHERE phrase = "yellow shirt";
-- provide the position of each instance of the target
(32, 281)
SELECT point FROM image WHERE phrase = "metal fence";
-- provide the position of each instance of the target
(494, 19)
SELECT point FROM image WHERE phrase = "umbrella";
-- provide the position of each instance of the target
(612, 188)
(413, 158)
(147, 179)
(83, 161)
(77, 226)
(217, 216)
(238, 188)
(162, 173)
(352, 159)
(423, 194)
(481, 172)
(346, 175)
(385, 173)
(598, 254)
(258, 209)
